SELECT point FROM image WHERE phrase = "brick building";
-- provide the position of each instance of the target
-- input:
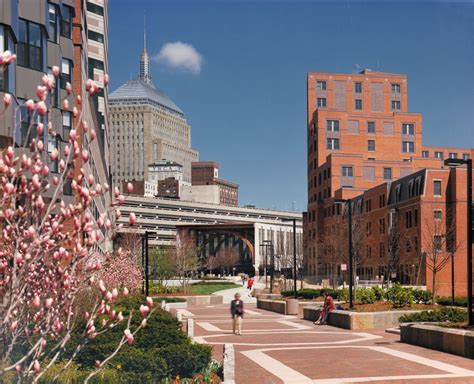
(361, 140)
(207, 173)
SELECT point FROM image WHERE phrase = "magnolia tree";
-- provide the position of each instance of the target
(49, 250)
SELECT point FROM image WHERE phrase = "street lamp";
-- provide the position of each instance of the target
(269, 244)
(295, 293)
(351, 263)
(469, 228)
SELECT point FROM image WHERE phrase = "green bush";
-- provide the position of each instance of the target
(458, 301)
(73, 374)
(398, 296)
(185, 360)
(157, 289)
(310, 294)
(146, 360)
(421, 296)
(453, 315)
(378, 292)
(365, 296)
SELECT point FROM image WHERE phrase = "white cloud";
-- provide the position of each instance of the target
(179, 55)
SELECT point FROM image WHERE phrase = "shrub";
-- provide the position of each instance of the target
(453, 315)
(185, 360)
(421, 296)
(306, 293)
(156, 289)
(458, 301)
(365, 296)
(73, 374)
(378, 292)
(398, 296)
(140, 365)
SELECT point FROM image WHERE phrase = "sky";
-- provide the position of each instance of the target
(238, 71)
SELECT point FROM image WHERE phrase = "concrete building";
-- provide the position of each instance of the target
(161, 217)
(70, 34)
(361, 139)
(206, 173)
(147, 126)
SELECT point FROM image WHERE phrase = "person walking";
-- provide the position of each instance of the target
(237, 312)
(328, 307)
(250, 283)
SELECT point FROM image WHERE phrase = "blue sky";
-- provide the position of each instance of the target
(246, 101)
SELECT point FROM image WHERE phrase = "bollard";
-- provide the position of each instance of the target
(190, 328)
(229, 364)
(163, 304)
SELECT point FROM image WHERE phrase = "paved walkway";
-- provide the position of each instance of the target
(284, 349)
(228, 294)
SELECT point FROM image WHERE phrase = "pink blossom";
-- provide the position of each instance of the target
(7, 99)
(66, 104)
(149, 301)
(73, 134)
(93, 134)
(106, 79)
(42, 91)
(114, 293)
(37, 366)
(144, 310)
(36, 302)
(48, 302)
(143, 323)
(68, 88)
(119, 317)
(30, 105)
(132, 219)
(42, 108)
(75, 112)
(130, 188)
(128, 336)
(78, 99)
(55, 70)
(125, 291)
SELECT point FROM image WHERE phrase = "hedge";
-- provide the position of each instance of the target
(458, 301)
(453, 315)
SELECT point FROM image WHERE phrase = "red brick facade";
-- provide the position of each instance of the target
(361, 139)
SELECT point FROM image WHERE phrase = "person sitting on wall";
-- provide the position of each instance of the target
(328, 307)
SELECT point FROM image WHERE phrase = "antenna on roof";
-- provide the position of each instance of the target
(144, 29)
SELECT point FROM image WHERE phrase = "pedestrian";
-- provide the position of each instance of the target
(250, 283)
(237, 312)
(328, 307)
(243, 280)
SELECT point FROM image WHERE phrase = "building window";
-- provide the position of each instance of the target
(396, 88)
(94, 8)
(439, 155)
(437, 214)
(332, 125)
(332, 144)
(66, 72)
(358, 104)
(96, 36)
(66, 21)
(408, 147)
(321, 101)
(358, 87)
(53, 15)
(408, 129)
(396, 105)
(453, 155)
(30, 45)
(425, 154)
(347, 171)
(67, 125)
(465, 156)
(371, 127)
(437, 242)
(437, 187)
(321, 85)
(371, 145)
(387, 173)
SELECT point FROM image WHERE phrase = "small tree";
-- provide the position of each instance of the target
(186, 257)
(212, 263)
(227, 258)
(163, 264)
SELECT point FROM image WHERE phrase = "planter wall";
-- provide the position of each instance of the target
(456, 341)
(358, 320)
(201, 300)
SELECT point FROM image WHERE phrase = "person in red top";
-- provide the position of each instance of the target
(328, 307)
(250, 283)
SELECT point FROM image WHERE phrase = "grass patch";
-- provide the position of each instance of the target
(207, 289)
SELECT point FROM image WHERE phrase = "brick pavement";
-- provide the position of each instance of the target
(285, 349)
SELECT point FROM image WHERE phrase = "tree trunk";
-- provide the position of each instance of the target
(433, 289)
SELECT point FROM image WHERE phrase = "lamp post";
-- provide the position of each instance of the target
(469, 229)
(269, 244)
(351, 262)
(295, 288)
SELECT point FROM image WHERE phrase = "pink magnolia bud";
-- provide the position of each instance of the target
(125, 292)
(30, 105)
(85, 155)
(132, 219)
(14, 325)
(129, 336)
(36, 302)
(144, 310)
(102, 286)
(108, 296)
(97, 363)
(78, 99)
(40, 128)
(40, 145)
(119, 317)
(149, 301)
(66, 105)
(41, 90)
(93, 134)
(7, 99)
(55, 71)
(130, 188)
(106, 79)
(75, 112)
(37, 366)
(73, 134)
(9, 188)
(114, 293)
(42, 109)
(143, 324)
(18, 368)
(48, 302)
(43, 343)
(68, 88)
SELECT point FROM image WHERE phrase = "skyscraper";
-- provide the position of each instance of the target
(147, 126)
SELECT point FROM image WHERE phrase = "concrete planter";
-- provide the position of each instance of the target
(292, 307)
(278, 306)
(456, 341)
(201, 300)
(358, 320)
